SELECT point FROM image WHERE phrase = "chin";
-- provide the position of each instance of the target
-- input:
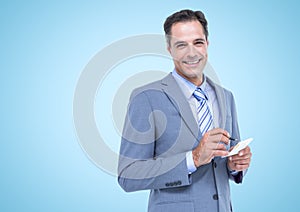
(193, 73)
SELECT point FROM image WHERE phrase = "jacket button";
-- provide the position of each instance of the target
(215, 197)
(215, 164)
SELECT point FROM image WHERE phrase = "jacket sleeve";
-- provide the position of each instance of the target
(237, 177)
(139, 166)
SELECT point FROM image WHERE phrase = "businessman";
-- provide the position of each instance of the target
(178, 130)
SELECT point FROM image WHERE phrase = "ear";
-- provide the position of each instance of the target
(169, 48)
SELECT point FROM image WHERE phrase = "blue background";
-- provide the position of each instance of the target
(44, 46)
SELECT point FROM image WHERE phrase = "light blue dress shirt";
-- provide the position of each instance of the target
(188, 89)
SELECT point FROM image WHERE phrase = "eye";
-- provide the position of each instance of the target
(199, 43)
(180, 45)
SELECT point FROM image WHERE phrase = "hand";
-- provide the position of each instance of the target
(211, 146)
(240, 161)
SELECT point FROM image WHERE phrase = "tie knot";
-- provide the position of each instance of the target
(199, 94)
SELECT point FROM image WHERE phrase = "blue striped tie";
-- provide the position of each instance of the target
(204, 114)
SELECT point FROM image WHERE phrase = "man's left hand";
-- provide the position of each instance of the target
(240, 161)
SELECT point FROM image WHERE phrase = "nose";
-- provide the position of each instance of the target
(191, 52)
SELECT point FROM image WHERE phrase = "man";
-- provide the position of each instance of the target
(177, 130)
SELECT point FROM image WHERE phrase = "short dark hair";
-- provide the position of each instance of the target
(185, 16)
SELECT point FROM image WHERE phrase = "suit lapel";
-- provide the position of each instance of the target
(175, 95)
(221, 102)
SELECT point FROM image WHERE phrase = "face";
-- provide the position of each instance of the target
(188, 47)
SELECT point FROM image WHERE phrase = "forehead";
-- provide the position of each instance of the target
(187, 31)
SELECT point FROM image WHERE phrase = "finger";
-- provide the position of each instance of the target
(219, 153)
(243, 157)
(242, 162)
(217, 131)
(241, 167)
(217, 146)
(244, 151)
(218, 138)
(244, 154)
(238, 166)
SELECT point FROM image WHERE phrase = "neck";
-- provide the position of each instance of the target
(196, 80)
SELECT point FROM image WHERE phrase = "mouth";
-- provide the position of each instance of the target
(191, 62)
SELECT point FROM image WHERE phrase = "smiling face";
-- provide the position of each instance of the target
(188, 47)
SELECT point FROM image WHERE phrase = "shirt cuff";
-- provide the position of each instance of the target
(190, 162)
(234, 173)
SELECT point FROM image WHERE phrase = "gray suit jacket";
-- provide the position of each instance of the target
(158, 132)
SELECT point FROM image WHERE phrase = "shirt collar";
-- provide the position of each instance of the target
(188, 87)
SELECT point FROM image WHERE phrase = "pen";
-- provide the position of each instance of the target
(230, 138)
(233, 139)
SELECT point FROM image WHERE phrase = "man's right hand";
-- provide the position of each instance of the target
(211, 145)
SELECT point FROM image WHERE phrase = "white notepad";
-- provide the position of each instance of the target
(241, 145)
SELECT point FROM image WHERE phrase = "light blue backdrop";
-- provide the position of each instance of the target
(44, 46)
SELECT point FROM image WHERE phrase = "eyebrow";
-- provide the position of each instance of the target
(179, 42)
(184, 42)
(200, 39)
